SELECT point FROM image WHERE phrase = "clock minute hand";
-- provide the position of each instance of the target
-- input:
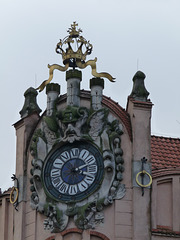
(80, 167)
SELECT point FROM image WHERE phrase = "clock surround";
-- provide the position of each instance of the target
(73, 127)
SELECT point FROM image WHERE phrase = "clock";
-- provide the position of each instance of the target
(73, 171)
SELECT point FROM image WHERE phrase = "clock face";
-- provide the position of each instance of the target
(73, 172)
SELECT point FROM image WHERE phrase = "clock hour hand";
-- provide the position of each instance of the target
(86, 173)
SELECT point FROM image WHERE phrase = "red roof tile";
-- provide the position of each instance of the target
(165, 152)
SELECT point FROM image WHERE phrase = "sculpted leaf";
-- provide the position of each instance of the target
(97, 122)
(83, 117)
(120, 192)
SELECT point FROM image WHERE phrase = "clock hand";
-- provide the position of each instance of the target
(82, 166)
(86, 173)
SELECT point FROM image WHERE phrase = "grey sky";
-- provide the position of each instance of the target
(127, 36)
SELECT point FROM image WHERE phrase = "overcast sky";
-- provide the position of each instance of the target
(127, 35)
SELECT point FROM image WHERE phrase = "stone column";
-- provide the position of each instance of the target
(24, 129)
(139, 109)
(97, 86)
(73, 78)
(52, 91)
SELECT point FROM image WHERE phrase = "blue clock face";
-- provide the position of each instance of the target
(73, 172)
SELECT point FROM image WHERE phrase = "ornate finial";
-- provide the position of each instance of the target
(66, 47)
(73, 55)
(139, 91)
(30, 104)
(72, 31)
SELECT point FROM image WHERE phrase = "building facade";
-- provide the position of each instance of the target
(88, 169)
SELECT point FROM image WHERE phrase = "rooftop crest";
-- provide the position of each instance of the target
(74, 48)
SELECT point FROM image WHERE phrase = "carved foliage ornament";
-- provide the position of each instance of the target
(77, 167)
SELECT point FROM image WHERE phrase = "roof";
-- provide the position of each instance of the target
(5, 193)
(165, 152)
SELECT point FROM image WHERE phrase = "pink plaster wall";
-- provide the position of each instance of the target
(6, 218)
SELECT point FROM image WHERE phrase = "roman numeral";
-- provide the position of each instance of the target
(55, 173)
(56, 182)
(90, 160)
(72, 189)
(74, 152)
(65, 156)
(89, 179)
(92, 168)
(63, 188)
(84, 154)
(58, 163)
(82, 186)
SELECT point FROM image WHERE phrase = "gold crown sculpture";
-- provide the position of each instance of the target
(71, 49)
(69, 55)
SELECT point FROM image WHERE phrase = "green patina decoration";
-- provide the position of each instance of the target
(113, 128)
(73, 74)
(99, 204)
(72, 210)
(51, 123)
(30, 104)
(83, 211)
(139, 91)
(59, 215)
(46, 207)
(113, 131)
(38, 134)
(87, 137)
(81, 215)
(102, 120)
(69, 115)
(97, 82)
(53, 87)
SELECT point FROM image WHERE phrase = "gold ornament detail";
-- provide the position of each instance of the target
(92, 63)
(71, 49)
(51, 70)
(143, 173)
(14, 195)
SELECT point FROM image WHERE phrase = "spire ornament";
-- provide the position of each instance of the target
(74, 48)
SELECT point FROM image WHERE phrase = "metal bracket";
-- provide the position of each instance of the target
(142, 174)
(14, 193)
